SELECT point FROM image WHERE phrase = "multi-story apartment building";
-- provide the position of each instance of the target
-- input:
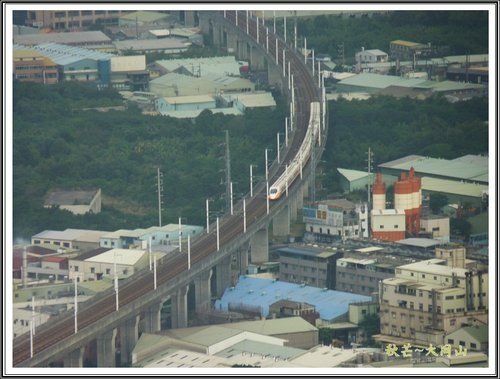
(311, 266)
(361, 275)
(72, 19)
(429, 299)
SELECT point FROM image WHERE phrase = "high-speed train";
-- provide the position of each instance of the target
(286, 179)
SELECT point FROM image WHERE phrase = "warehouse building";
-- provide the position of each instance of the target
(244, 101)
(173, 84)
(163, 45)
(469, 168)
(96, 265)
(353, 180)
(256, 295)
(89, 40)
(141, 18)
(77, 239)
(129, 73)
(184, 103)
(158, 236)
(200, 67)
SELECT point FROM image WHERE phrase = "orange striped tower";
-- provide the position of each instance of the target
(408, 196)
(379, 193)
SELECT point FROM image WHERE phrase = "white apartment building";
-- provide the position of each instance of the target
(427, 300)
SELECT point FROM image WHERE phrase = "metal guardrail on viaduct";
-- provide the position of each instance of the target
(61, 335)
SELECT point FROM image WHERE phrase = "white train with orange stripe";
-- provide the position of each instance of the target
(288, 176)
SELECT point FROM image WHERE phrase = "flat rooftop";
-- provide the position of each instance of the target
(70, 197)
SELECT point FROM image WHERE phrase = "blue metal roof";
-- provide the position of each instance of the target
(261, 293)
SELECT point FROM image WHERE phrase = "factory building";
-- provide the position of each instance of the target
(32, 66)
(254, 295)
(60, 20)
(331, 220)
(388, 224)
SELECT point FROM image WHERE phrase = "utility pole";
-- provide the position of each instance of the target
(228, 173)
(341, 52)
(160, 190)
(370, 161)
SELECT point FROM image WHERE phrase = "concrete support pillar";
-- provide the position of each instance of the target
(260, 246)
(106, 349)
(223, 275)
(74, 358)
(129, 334)
(293, 208)
(305, 190)
(152, 318)
(179, 308)
(243, 258)
(202, 293)
(281, 222)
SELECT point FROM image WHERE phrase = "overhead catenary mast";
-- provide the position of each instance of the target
(160, 190)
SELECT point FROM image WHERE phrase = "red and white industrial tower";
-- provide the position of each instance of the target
(408, 196)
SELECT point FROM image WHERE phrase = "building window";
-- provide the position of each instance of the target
(473, 345)
(420, 307)
(451, 341)
(381, 226)
(108, 271)
(423, 275)
(396, 226)
(92, 270)
(461, 343)
(76, 268)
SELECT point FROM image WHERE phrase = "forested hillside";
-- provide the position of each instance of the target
(58, 145)
(394, 128)
(460, 32)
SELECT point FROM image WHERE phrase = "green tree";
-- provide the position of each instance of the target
(437, 201)
(370, 326)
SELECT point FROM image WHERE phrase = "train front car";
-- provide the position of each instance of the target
(303, 155)
(274, 193)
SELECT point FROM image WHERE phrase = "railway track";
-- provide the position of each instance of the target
(176, 264)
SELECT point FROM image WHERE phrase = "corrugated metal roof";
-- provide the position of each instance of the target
(252, 100)
(263, 292)
(83, 235)
(152, 44)
(419, 242)
(144, 16)
(453, 187)
(459, 169)
(373, 52)
(68, 38)
(220, 66)
(352, 175)
(128, 257)
(189, 99)
(64, 54)
(370, 80)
